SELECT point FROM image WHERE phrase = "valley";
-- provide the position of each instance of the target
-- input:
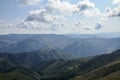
(58, 57)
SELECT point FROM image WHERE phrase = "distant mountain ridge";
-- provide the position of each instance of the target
(93, 46)
(76, 47)
(97, 35)
(37, 42)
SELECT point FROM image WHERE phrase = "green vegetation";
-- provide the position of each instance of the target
(19, 74)
(29, 67)
(105, 72)
(112, 76)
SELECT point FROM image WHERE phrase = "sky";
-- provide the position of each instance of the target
(59, 16)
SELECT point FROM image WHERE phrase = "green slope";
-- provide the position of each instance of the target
(19, 74)
(98, 61)
(112, 76)
(94, 68)
(110, 70)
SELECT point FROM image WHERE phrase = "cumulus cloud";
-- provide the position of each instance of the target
(98, 26)
(84, 7)
(42, 15)
(62, 6)
(42, 19)
(57, 27)
(116, 11)
(116, 1)
(80, 23)
(7, 28)
(30, 2)
(49, 13)
(112, 12)
(52, 15)
(87, 8)
(54, 26)
(29, 25)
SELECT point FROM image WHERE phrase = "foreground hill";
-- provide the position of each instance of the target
(65, 70)
(17, 66)
(112, 76)
(19, 74)
(108, 72)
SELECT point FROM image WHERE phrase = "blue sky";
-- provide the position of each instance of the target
(59, 16)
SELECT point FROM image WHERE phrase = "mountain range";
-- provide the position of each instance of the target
(102, 67)
(59, 57)
(76, 47)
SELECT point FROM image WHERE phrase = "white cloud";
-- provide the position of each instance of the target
(112, 12)
(62, 16)
(46, 23)
(6, 28)
(98, 26)
(57, 28)
(116, 1)
(52, 16)
(88, 8)
(80, 23)
(29, 25)
(4, 24)
(30, 2)
(43, 19)
(62, 6)
(84, 7)
(115, 12)
(85, 4)
(44, 16)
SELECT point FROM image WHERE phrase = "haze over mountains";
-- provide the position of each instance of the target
(59, 39)
(75, 47)
(59, 57)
